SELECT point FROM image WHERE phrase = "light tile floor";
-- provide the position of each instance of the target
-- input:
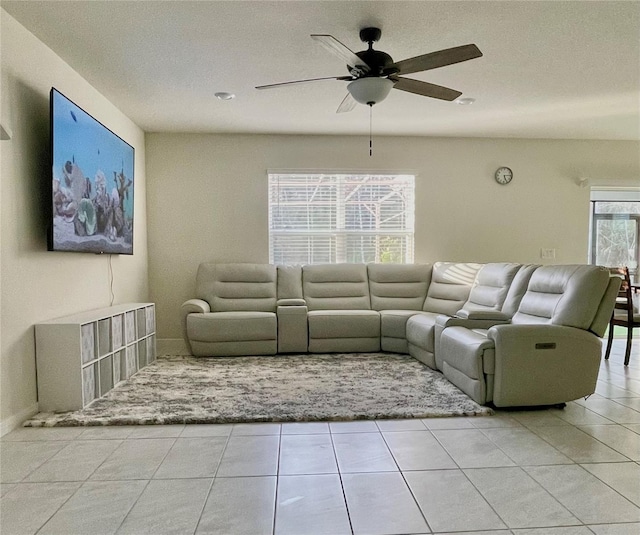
(553, 472)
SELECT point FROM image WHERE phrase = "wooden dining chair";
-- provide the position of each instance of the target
(623, 313)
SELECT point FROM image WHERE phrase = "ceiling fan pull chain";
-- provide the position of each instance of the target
(370, 129)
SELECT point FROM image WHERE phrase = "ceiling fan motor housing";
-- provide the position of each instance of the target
(378, 61)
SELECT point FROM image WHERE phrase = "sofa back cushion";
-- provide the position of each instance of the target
(398, 286)
(518, 288)
(603, 316)
(289, 282)
(237, 287)
(336, 287)
(567, 295)
(491, 286)
(450, 287)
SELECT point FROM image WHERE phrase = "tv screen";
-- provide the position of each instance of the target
(92, 193)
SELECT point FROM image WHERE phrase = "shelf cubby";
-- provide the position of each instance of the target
(130, 326)
(118, 357)
(89, 389)
(116, 329)
(151, 348)
(88, 340)
(104, 337)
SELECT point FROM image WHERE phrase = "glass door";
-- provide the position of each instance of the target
(615, 239)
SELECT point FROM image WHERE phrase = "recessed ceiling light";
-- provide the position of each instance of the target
(465, 101)
(223, 95)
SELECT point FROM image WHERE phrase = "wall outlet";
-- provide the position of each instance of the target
(547, 254)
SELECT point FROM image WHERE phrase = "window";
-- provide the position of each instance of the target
(615, 232)
(329, 218)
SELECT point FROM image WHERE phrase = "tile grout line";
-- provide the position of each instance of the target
(532, 431)
(587, 409)
(148, 480)
(579, 427)
(81, 483)
(58, 509)
(557, 499)
(344, 493)
(213, 479)
(573, 463)
(472, 484)
(607, 484)
(68, 443)
(413, 496)
(518, 466)
(275, 495)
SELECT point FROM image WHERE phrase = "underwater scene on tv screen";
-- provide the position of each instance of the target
(92, 183)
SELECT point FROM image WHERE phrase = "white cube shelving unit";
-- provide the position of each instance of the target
(81, 357)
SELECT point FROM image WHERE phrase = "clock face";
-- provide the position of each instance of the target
(504, 175)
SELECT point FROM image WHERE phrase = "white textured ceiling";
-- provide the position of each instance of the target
(551, 69)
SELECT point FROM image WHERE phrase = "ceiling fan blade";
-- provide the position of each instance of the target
(425, 89)
(433, 60)
(342, 51)
(271, 86)
(347, 104)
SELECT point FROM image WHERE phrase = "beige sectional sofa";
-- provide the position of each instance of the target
(504, 333)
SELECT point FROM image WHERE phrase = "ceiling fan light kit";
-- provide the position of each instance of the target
(370, 90)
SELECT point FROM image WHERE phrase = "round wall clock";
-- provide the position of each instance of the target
(504, 175)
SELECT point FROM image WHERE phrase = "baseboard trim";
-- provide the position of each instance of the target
(171, 346)
(9, 424)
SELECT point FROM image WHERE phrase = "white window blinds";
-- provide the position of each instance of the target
(331, 218)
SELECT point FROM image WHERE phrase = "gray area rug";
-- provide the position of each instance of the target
(292, 388)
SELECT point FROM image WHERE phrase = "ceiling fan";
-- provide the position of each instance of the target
(372, 73)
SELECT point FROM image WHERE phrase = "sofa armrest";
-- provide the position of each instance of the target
(470, 323)
(291, 303)
(494, 315)
(192, 306)
(543, 364)
(198, 306)
(293, 331)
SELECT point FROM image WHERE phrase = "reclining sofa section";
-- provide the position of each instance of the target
(510, 334)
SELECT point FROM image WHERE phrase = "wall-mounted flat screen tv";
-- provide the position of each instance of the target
(92, 178)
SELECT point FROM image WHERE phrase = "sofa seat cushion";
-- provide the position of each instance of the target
(344, 324)
(232, 326)
(393, 323)
(468, 361)
(468, 351)
(420, 329)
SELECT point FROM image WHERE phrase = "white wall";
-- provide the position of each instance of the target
(37, 285)
(207, 198)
